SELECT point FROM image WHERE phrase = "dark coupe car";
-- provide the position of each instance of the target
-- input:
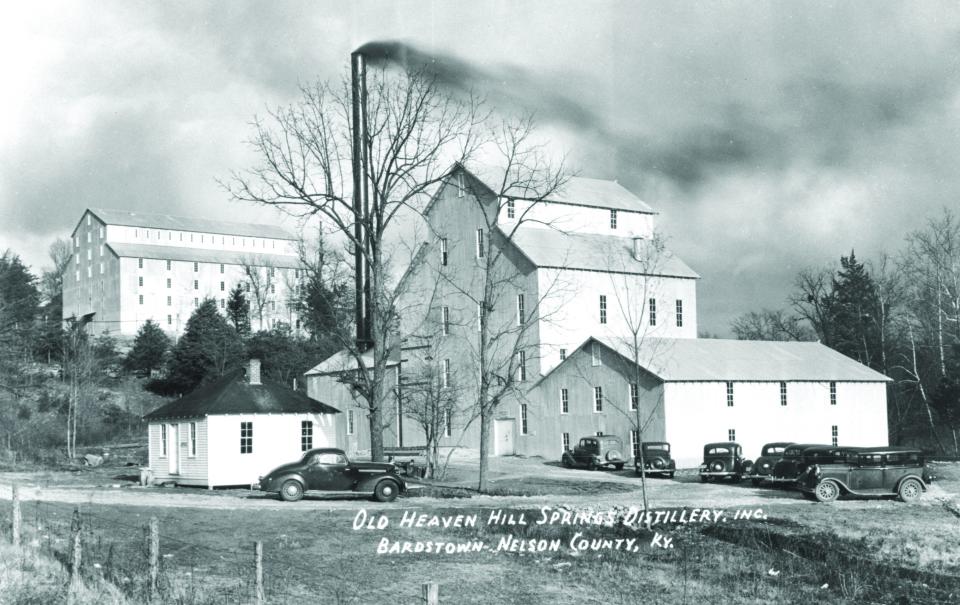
(791, 465)
(330, 471)
(656, 459)
(881, 471)
(724, 460)
(596, 452)
(770, 454)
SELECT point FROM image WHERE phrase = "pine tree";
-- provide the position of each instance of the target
(238, 310)
(149, 346)
(854, 312)
(209, 348)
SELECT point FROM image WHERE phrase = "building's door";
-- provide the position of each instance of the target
(173, 449)
(503, 437)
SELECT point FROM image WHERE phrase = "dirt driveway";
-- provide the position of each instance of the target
(684, 491)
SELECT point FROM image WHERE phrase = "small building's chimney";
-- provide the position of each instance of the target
(253, 373)
(638, 248)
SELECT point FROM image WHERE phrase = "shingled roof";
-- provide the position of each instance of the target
(232, 394)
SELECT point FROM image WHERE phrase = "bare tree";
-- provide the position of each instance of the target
(78, 367)
(260, 283)
(60, 253)
(771, 324)
(812, 301)
(412, 132)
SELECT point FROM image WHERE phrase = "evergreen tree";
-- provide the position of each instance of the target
(854, 312)
(238, 310)
(324, 308)
(209, 348)
(149, 347)
(18, 290)
(283, 355)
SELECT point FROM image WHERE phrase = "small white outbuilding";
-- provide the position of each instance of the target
(235, 429)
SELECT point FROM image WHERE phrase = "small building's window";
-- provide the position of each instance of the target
(273, 305)
(78, 276)
(76, 241)
(834, 435)
(783, 393)
(447, 424)
(731, 434)
(679, 313)
(88, 237)
(603, 308)
(140, 281)
(523, 419)
(76, 257)
(89, 271)
(350, 426)
(445, 375)
(599, 433)
(101, 249)
(595, 355)
(445, 320)
(169, 301)
(196, 302)
(634, 397)
(196, 284)
(193, 439)
(613, 219)
(480, 246)
(88, 219)
(833, 393)
(222, 286)
(520, 310)
(563, 354)
(89, 254)
(246, 437)
(163, 440)
(306, 435)
(461, 189)
(273, 271)
(652, 304)
(597, 399)
(564, 401)
(169, 320)
(443, 251)
(511, 210)
(169, 282)
(221, 267)
(169, 265)
(521, 365)
(635, 442)
(141, 299)
(196, 266)
(101, 232)
(101, 268)
(139, 263)
(729, 394)
(565, 441)
(223, 303)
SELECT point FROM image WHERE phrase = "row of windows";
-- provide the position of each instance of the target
(598, 399)
(783, 394)
(512, 213)
(652, 311)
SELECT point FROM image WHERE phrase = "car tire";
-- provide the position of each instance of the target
(592, 465)
(669, 475)
(619, 467)
(566, 463)
(386, 491)
(910, 490)
(658, 463)
(718, 466)
(827, 491)
(291, 490)
(704, 478)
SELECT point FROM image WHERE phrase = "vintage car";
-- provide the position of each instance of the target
(880, 471)
(595, 452)
(656, 459)
(770, 454)
(724, 460)
(329, 470)
(786, 471)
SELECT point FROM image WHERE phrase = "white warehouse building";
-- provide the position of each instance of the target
(130, 267)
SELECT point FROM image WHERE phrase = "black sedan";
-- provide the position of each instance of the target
(330, 471)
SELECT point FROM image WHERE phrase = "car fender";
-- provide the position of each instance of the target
(923, 484)
(286, 477)
(368, 484)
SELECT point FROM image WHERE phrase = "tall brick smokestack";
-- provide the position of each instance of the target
(361, 200)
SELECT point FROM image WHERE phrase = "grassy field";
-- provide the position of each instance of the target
(878, 551)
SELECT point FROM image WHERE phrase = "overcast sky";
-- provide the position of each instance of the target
(770, 136)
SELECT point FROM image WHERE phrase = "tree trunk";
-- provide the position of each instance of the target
(485, 423)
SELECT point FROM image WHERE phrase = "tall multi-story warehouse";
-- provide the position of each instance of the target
(128, 267)
(587, 299)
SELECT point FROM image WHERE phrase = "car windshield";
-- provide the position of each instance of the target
(719, 450)
(792, 452)
(660, 447)
(328, 458)
(772, 450)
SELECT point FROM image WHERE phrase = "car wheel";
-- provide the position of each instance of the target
(910, 490)
(566, 463)
(827, 491)
(755, 482)
(718, 466)
(592, 465)
(386, 491)
(619, 467)
(291, 490)
(704, 478)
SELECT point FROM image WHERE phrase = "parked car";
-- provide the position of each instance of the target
(596, 452)
(788, 469)
(656, 459)
(770, 454)
(722, 460)
(330, 471)
(881, 471)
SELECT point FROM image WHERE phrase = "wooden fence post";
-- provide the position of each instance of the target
(258, 558)
(15, 516)
(430, 593)
(154, 556)
(75, 559)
